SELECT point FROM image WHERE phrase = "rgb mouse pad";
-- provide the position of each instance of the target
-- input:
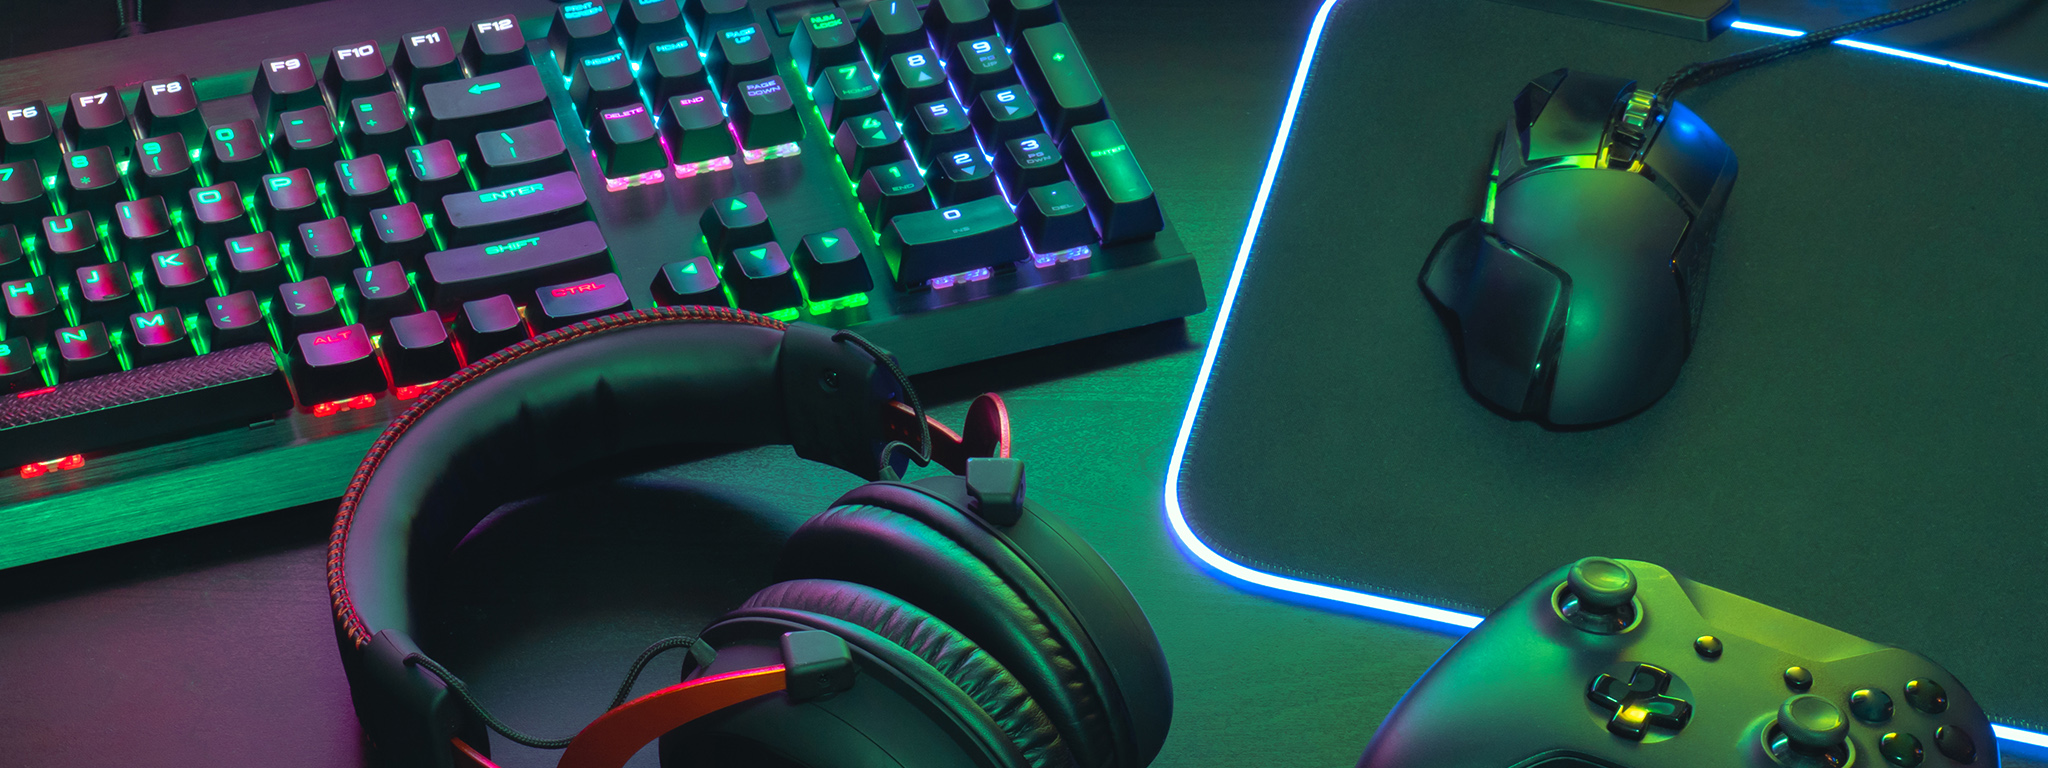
(1858, 437)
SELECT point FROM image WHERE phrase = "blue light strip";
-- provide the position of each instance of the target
(1446, 619)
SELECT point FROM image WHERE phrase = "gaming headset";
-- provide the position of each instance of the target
(983, 630)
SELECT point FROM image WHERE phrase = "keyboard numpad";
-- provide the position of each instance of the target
(1055, 218)
(895, 189)
(604, 80)
(106, 293)
(953, 240)
(940, 128)
(846, 91)
(867, 141)
(981, 64)
(1032, 161)
(1005, 113)
(915, 77)
(740, 53)
(1116, 188)
(831, 266)
(892, 27)
(377, 124)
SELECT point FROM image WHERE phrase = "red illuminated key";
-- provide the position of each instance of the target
(308, 306)
(571, 303)
(627, 143)
(419, 350)
(336, 364)
(84, 351)
(489, 325)
(181, 276)
(157, 336)
(254, 263)
(237, 320)
(18, 366)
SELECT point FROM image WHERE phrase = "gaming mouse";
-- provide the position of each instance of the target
(1575, 296)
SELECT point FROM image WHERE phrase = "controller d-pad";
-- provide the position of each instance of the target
(1641, 702)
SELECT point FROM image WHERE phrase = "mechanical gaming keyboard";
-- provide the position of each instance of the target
(310, 227)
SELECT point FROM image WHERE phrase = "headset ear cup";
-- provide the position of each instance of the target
(920, 651)
(904, 541)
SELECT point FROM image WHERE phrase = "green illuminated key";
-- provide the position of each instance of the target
(1066, 88)
(1117, 191)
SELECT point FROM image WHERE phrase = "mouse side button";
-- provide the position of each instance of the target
(1505, 307)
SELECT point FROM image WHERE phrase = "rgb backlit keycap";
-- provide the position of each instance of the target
(867, 141)
(73, 238)
(708, 17)
(28, 134)
(377, 124)
(290, 199)
(981, 64)
(825, 40)
(519, 153)
(503, 211)
(762, 281)
(566, 304)
(398, 234)
(142, 227)
(386, 293)
(645, 22)
(516, 265)
(741, 53)
(435, 171)
(156, 336)
(306, 138)
(426, 56)
(255, 263)
(915, 77)
(488, 325)
(22, 201)
(106, 293)
(627, 143)
(180, 277)
(84, 351)
(580, 30)
(735, 222)
(687, 283)
(495, 45)
(1055, 218)
(831, 266)
(32, 308)
(237, 320)
(604, 80)
(329, 248)
(98, 118)
(1118, 192)
(940, 128)
(888, 191)
(90, 178)
(1032, 161)
(336, 364)
(457, 110)
(845, 91)
(357, 70)
(170, 106)
(1005, 114)
(767, 116)
(952, 240)
(419, 349)
(892, 27)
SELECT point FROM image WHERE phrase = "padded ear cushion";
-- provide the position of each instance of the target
(908, 543)
(977, 673)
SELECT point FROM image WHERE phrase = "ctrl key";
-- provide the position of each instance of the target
(569, 303)
(336, 365)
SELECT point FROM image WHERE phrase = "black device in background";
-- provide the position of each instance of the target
(354, 199)
(1575, 296)
(985, 631)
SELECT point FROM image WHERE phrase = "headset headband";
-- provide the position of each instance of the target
(636, 383)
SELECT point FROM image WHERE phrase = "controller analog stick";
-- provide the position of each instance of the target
(1812, 723)
(1602, 585)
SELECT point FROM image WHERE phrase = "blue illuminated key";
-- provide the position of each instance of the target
(952, 240)
(1032, 161)
(498, 212)
(1025, 14)
(940, 128)
(915, 77)
(952, 21)
(981, 64)
(892, 27)
(888, 191)
(1006, 113)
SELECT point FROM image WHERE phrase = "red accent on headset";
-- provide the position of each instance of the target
(987, 432)
(613, 738)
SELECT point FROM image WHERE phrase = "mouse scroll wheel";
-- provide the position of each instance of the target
(1631, 133)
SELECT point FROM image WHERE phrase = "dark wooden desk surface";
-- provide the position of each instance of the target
(213, 647)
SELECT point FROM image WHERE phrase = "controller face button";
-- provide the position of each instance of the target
(1958, 746)
(1812, 723)
(1927, 696)
(1708, 647)
(1640, 703)
(1798, 679)
(1870, 705)
(1900, 749)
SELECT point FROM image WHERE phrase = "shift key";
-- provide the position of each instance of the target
(496, 213)
(516, 266)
